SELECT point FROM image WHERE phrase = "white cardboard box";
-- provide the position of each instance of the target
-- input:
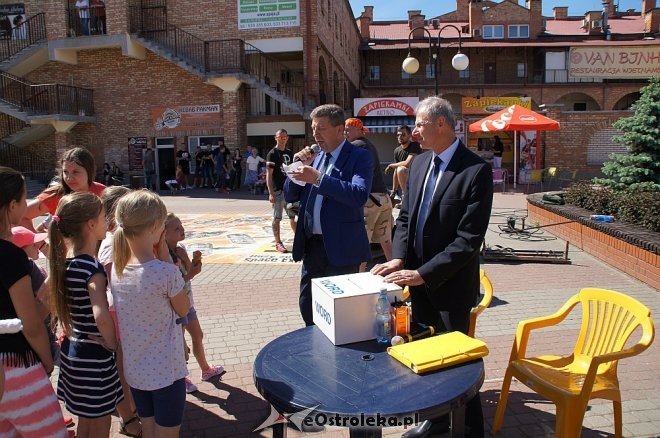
(344, 306)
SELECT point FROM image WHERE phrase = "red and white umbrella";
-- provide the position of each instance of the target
(515, 118)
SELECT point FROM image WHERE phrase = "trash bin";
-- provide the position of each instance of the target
(137, 182)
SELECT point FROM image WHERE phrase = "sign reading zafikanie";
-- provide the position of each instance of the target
(264, 14)
(614, 62)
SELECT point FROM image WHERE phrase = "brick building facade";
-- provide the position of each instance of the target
(515, 51)
(153, 54)
(140, 55)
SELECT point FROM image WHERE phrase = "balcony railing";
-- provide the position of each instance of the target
(87, 20)
(549, 76)
(234, 56)
(25, 162)
(10, 125)
(22, 35)
(45, 99)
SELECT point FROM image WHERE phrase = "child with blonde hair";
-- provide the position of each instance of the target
(149, 295)
(129, 422)
(174, 235)
(25, 357)
(88, 382)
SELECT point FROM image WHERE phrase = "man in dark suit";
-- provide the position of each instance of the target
(443, 220)
(330, 234)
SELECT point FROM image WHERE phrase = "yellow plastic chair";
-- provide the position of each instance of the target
(535, 177)
(608, 319)
(476, 311)
(550, 176)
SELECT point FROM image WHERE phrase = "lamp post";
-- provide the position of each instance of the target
(460, 61)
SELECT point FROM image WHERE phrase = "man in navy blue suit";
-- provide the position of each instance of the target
(443, 220)
(330, 235)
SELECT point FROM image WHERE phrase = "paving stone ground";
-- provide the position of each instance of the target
(242, 307)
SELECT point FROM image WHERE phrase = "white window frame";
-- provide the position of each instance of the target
(518, 28)
(521, 70)
(489, 31)
(464, 74)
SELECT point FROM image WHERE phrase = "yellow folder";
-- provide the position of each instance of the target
(438, 352)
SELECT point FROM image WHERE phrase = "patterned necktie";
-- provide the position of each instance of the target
(311, 199)
(426, 203)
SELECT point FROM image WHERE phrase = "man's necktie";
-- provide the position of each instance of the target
(311, 199)
(426, 203)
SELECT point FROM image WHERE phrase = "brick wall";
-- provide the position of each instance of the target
(635, 261)
(125, 91)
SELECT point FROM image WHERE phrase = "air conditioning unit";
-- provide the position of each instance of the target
(585, 23)
(596, 24)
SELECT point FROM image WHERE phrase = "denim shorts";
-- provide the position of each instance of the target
(191, 316)
(165, 404)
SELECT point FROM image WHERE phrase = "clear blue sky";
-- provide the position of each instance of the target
(398, 10)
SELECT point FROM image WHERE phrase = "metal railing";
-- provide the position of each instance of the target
(85, 21)
(44, 99)
(22, 35)
(10, 125)
(148, 19)
(25, 162)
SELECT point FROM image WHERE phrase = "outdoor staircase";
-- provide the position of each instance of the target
(29, 164)
(28, 47)
(29, 134)
(217, 58)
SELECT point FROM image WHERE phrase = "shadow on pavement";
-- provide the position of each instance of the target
(521, 418)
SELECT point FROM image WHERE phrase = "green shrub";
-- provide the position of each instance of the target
(632, 206)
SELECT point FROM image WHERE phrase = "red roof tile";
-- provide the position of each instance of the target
(624, 25)
(534, 43)
(400, 30)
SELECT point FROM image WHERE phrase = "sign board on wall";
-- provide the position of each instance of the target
(182, 118)
(266, 14)
(614, 62)
(136, 146)
(385, 106)
(490, 105)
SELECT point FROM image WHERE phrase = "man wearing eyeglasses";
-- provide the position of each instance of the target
(439, 232)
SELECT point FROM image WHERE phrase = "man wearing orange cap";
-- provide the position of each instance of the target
(378, 209)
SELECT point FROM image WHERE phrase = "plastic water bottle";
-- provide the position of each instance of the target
(601, 218)
(383, 321)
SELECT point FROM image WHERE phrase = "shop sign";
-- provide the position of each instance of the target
(385, 106)
(184, 118)
(268, 14)
(136, 146)
(490, 105)
(614, 62)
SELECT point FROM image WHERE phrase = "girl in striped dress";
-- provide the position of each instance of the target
(28, 407)
(88, 382)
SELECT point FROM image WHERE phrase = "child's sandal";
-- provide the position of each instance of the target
(124, 431)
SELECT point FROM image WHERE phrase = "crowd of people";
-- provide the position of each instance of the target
(115, 255)
(115, 311)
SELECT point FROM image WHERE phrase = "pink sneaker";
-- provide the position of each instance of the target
(190, 386)
(214, 370)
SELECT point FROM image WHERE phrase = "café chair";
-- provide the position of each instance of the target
(550, 176)
(609, 318)
(499, 177)
(535, 177)
(483, 304)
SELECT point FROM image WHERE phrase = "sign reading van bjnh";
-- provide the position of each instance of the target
(264, 14)
(615, 62)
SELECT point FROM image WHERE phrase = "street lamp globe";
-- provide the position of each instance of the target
(460, 61)
(410, 65)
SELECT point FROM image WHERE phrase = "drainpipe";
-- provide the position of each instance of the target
(307, 46)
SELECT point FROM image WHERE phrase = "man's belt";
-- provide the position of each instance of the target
(375, 201)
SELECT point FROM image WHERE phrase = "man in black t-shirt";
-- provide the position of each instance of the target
(403, 158)
(277, 157)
